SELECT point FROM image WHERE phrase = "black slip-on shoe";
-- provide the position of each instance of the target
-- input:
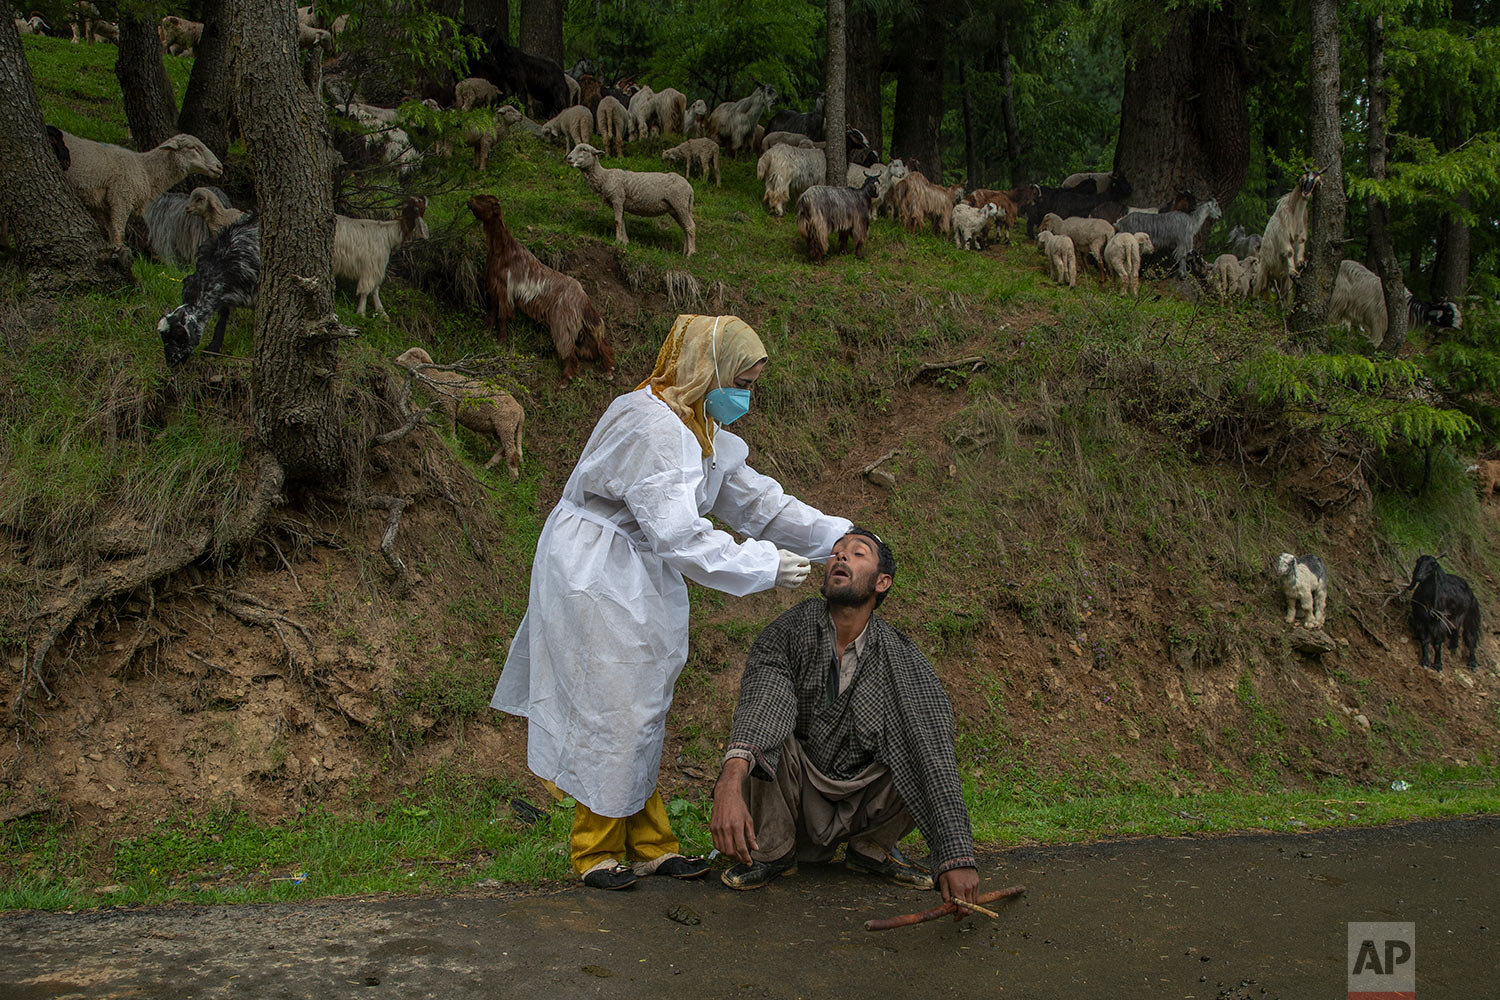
(682, 867)
(618, 877)
(759, 873)
(894, 867)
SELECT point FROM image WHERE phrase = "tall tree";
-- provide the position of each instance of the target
(296, 410)
(919, 87)
(1008, 110)
(1325, 218)
(1184, 119)
(971, 150)
(862, 60)
(206, 106)
(60, 247)
(150, 105)
(836, 95)
(542, 28)
(1382, 253)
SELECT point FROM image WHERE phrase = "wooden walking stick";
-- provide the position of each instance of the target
(947, 909)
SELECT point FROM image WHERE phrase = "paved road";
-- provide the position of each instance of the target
(1228, 918)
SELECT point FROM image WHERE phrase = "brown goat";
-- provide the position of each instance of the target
(515, 278)
(918, 199)
(1002, 200)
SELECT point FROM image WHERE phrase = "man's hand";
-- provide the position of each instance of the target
(732, 828)
(961, 883)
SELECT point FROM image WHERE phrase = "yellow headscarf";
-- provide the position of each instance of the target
(685, 373)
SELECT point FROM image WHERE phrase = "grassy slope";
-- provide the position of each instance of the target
(1040, 499)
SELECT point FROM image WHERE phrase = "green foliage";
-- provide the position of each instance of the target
(388, 47)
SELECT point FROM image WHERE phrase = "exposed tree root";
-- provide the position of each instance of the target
(253, 611)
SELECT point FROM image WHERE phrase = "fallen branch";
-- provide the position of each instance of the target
(880, 461)
(413, 421)
(973, 364)
(946, 910)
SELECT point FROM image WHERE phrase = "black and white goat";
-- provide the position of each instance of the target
(1443, 608)
(227, 275)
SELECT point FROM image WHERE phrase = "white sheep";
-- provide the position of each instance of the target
(570, 127)
(1226, 275)
(362, 249)
(1088, 235)
(788, 171)
(1249, 272)
(693, 153)
(1096, 181)
(1062, 263)
(695, 120)
(640, 113)
(475, 92)
(613, 122)
(205, 203)
(637, 193)
(477, 406)
(115, 183)
(1122, 256)
(970, 222)
(178, 35)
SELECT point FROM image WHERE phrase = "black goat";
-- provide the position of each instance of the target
(1442, 609)
(1069, 202)
(808, 123)
(538, 82)
(227, 275)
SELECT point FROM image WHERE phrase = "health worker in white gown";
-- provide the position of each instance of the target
(606, 629)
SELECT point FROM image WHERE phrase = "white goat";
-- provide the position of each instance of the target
(969, 223)
(637, 193)
(1283, 247)
(362, 248)
(115, 183)
(733, 123)
(886, 174)
(788, 171)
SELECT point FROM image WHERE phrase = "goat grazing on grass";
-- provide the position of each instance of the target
(638, 193)
(1358, 300)
(1174, 231)
(695, 153)
(514, 279)
(1304, 583)
(475, 405)
(788, 170)
(115, 183)
(1443, 609)
(362, 249)
(825, 209)
(1283, 246)
(1122, 256)
(227, 275)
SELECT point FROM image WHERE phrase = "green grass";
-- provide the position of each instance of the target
(78, 90)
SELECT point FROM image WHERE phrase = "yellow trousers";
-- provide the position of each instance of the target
(645, 836)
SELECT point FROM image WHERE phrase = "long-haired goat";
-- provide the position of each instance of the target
(788, 170)
(515, 278)
(1358, 300)
(1283, 246)
(174, 231)
(1443, 608)
(824, 210)
(227, 275)
(362, 249)
(917, 200)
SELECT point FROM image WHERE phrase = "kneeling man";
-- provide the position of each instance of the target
(843, 733)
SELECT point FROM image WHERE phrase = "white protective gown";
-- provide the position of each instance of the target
(606, 628)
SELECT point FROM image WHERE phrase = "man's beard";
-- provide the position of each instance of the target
(852, 592)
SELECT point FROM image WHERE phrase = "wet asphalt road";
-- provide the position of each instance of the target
(1227, 918)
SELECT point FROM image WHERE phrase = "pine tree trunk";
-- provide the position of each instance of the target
(485, 15)
(150, 105)
(836, 95)
(296, 410)
(1184, 120)
(1451, 270)
(1008, 112)
(862, 76)
(1325, 217)
(971, 155)
(1382, 253)
(60, 246)
(919, 90)
(541, 29)
(206, 105)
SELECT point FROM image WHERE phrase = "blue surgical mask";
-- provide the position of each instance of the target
(724, 405)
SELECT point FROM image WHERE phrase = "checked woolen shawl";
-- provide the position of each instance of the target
(894, 712)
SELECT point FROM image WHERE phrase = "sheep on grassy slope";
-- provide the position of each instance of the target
(115, 183)
(475, 405)
(614, 125)
(1358, 300)
(824, 210)
(515, 279)
(570, 127)
(1088, 235)
(695, 120)
(227, 276)
(638, 193)
(362, 249)
(695, 152)
(733, 123)
(1122, 256)
(174, 232)
(1249, 270)
(1062, 263)
(1171, 231)
(970, 223)
(212, 206)
(788, 170)
(1226, 276)
(475, 92)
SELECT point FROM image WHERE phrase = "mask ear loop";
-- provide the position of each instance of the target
(713, 343)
